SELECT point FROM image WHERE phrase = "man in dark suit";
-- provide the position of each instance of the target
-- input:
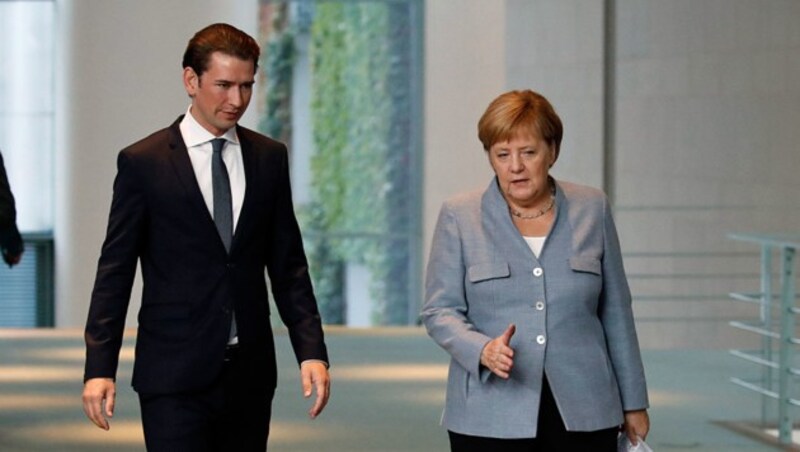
(11, 245)
(205, 206)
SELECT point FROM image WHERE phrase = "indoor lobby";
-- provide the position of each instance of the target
(686, 113)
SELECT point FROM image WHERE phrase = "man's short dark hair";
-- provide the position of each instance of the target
(219, 38)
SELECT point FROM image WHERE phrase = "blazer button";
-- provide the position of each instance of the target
(539, 305)
(537, 272)
(540, 339)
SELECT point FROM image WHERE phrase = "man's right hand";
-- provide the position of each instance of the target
(11, 259)
(98, 400)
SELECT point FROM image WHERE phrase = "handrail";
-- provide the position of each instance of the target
(780, 332)
(754, 329)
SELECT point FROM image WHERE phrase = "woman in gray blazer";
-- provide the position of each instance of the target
(526, 290)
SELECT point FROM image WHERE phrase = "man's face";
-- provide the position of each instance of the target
(221, 94)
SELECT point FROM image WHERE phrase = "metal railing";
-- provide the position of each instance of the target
(777, 331)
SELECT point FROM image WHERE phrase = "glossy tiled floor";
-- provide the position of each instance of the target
(387, 396)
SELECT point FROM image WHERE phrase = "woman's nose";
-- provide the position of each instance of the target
(516, 163)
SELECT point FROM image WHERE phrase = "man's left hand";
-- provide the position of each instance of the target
(314, 374)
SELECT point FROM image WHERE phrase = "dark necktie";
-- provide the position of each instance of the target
(223, 207)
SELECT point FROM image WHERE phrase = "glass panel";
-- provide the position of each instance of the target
(342, 89)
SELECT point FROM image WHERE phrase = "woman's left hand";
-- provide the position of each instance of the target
(637, 424)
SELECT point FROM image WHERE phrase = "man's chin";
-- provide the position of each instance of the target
(226, 124)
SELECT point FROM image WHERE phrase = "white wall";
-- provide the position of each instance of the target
(464, 70)
(555, 47)
(26, 109)
(118, 79)
(708, 98)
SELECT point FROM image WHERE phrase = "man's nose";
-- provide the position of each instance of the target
(235, 97)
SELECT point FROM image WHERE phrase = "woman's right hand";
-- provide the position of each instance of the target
(497, 356)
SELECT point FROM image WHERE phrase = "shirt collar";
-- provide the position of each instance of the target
(194, 134)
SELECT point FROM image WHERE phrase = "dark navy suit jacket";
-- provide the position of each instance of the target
(191, 284)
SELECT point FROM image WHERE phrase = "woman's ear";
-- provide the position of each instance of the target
(553, 154)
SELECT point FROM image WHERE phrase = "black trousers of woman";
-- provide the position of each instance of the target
(552, 435)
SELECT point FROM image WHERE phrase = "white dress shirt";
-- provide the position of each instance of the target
(535, 244)
(198, 143)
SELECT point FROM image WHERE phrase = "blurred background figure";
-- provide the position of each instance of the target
(10, 240)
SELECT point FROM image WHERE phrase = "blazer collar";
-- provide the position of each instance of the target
(182, 164)
(495, 210)
(179, 156)
(249, 161)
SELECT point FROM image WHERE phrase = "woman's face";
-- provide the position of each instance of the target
(521, 165)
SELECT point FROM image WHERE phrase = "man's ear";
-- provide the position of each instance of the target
(191, 81)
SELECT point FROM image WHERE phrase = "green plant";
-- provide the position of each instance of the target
(360, 110)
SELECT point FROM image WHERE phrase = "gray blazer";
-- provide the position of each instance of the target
(571, 306)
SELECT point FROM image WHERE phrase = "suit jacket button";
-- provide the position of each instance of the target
(539, 305)
(540, 339)
(537, 272)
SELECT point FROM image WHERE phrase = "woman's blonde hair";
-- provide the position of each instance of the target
(520, 112)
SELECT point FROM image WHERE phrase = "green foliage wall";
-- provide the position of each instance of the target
(360, 168)
(361, 209)
(277, 61)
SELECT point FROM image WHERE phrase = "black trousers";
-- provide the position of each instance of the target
(228, 416)
(552, 435)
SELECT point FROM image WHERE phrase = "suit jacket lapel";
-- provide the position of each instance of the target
(249, 162)
(500, 224)
(496, 211)
(182, 164)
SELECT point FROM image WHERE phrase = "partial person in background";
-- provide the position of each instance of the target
(204, 206)
(10, 241)
(526, 291)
